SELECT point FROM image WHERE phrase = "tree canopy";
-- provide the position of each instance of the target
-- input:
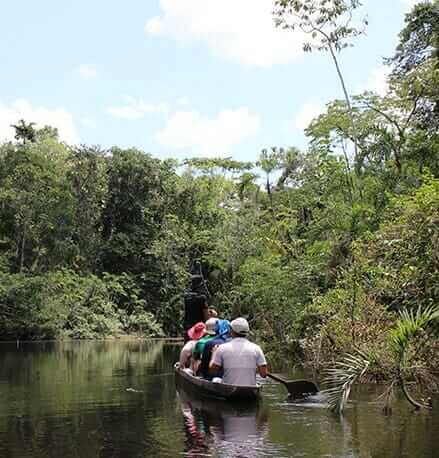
(321, 249)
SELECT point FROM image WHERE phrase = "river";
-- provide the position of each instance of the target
(118, 399)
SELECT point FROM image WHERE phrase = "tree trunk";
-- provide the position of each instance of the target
(23, 242)
(348, 103)
(270, 196)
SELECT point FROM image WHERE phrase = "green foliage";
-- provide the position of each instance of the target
(87, 176)
(391, 268)
(402, 255)
(351, 368)
(24, 132)
(134, 209)
(210, 165)
(319, 248)
(64, 304)
(329, 23)
(142, 323)
(37, 205)
(409, 325)
(419, 38)
(416, 63)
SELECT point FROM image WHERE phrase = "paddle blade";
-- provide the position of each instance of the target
(301, 388)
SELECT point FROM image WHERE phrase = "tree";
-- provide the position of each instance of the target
(269, 162)
(416, 63)
(138, 189)
(419, 39)
(246, 184)
(290, 161)
(210, 165)
(24, 131)
(330, 25)
(384, 125)
(36, 205)
(88, 178)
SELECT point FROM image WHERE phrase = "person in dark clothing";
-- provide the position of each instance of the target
(195, 305)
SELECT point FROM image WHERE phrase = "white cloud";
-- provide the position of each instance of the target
(306, 114)
(409, 4)
(135, 109)
(41, 116)
(377, 80)
(190, 131)
(88, 71)
(239, 30)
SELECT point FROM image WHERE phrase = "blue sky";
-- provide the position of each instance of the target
(176, 78)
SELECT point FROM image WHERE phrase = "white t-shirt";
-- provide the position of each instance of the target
(239, 358)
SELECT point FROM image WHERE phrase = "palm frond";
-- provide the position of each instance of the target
(409, 324)
(408, 327)
(341, 377)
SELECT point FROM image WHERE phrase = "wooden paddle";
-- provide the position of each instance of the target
(297, 388)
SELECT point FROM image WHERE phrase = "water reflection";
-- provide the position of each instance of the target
(223, 429)
(118, 399)
(87, 399)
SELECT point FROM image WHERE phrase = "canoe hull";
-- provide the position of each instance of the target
(205, 388)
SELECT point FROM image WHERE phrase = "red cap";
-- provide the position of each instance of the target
(197, 331)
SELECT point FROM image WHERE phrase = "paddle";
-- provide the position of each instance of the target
(296, 388)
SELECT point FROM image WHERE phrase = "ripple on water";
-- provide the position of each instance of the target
(119, 400)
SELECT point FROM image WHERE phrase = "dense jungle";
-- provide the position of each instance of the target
(327, 250)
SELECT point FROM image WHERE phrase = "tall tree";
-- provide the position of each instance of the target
(419, 39)
(36, 205)
(269, 162)
(88, 180)
(416, 62)
(331, 26)
(24, 131)
(138, 188)
(290, 161)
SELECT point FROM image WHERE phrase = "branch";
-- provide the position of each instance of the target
(385, 115)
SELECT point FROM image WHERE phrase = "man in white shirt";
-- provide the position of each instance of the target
(239, 358)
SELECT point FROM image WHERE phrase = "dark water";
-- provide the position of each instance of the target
(118, 399)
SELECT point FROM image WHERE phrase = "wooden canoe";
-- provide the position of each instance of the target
(206, 388)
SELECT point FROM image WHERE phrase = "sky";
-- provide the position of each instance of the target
(177, 78)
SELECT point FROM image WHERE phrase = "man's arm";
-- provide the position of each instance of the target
(214, 369)
(263, 370)
(216, 361)
(261, 363)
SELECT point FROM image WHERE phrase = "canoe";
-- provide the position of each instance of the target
(206, 388)
(218, 407)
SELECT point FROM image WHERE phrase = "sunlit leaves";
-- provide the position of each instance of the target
(329, 23)
(410, 323)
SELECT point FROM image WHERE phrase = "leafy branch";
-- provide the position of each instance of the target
(352, 367)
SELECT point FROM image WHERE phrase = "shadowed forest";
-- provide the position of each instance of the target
(325, 250)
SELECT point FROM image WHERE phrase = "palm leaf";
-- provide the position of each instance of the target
(341, 377)
(408, 327)
(409, 324)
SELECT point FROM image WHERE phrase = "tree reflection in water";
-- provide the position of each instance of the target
(117, 400)
(222, 429)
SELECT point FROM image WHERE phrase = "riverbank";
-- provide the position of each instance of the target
(118, 338)
(64, 304)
